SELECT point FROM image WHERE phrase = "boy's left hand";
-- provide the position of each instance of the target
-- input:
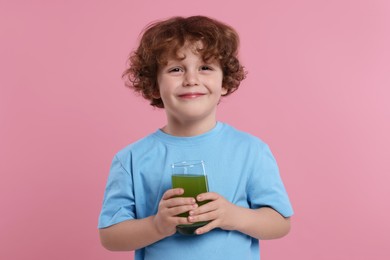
(220, 212)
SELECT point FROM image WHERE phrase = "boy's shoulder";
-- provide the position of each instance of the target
(242, 136)
(226, 134)
(140, 145)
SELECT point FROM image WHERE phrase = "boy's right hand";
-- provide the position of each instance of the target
(169, 207)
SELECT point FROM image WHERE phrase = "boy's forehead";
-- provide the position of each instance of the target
(179, 51)
(189, 46)
(196, 45)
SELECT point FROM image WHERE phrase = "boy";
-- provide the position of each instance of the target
(185, 65)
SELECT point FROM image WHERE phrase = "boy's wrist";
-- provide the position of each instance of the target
(240, 219)
(160, 233)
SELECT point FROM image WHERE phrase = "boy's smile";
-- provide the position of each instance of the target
(191, 95)
(190, 89)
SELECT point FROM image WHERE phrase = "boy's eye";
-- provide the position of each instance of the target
(175, 70)
(205, 67)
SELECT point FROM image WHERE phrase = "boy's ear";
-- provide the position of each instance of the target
(224, 91)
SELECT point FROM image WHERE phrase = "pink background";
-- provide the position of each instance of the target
(318, 92)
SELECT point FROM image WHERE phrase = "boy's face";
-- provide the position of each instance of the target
(190, 88)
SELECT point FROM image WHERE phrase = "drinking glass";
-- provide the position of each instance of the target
(190, 176)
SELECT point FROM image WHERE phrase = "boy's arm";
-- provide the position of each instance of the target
(262, 223)
(129, 235)
(137, 233)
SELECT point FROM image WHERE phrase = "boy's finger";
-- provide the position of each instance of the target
(182, 221)
(181, 209)
(174, 202)
(208, 207)
(172, 193)
(205, 228)
(207, 196)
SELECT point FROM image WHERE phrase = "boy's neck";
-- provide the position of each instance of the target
(187, 129)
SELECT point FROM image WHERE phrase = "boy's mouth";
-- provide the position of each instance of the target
(191, 95)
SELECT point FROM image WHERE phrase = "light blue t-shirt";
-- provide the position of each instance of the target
(239, 166)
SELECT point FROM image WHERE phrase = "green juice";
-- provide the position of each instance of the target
(193, 185)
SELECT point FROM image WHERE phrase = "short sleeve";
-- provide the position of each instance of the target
(118, 202)
(266, 188)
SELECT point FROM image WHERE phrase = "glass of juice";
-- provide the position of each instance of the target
(191, 176)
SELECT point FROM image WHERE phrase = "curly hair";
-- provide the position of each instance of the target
(163, 39)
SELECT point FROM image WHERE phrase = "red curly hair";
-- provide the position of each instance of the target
(162, 40)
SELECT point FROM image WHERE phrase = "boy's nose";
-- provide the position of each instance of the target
(190, 79)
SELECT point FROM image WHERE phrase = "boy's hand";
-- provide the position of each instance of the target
(220, 212)
(169, 207)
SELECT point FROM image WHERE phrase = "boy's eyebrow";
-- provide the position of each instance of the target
(171, 62)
